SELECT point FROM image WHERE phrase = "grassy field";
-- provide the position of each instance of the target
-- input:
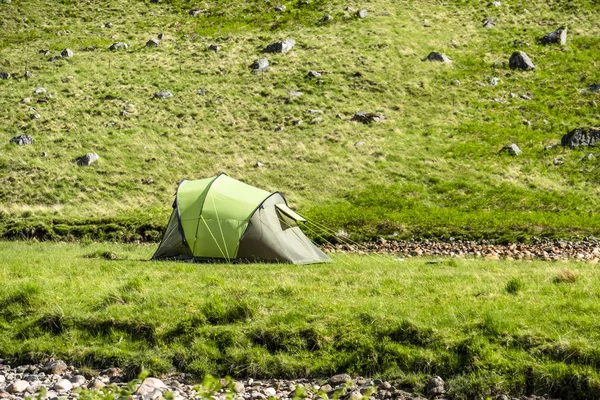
(486, 327)
(431, 168)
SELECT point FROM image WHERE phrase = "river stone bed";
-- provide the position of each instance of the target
(545, 250)
(56, 380)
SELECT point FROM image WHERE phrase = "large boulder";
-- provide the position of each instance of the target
(435, 56)
(260, 65)
(56, 367)
(22, 140)
(118, 46)
(559, 36)
(520, 60)
(587, 136)
(87, 160)
(283, 46)
(150, 385)
(17, 386)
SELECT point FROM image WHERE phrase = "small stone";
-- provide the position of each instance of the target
(512, 149)
(520, 60)
(119, 46)
(314, 111)
(494, 81)
(260, 65)
(78, 380)
(279, 128)
(161, 36)
(270, 392)
(295, 93)
(339, 116)
(107, 25)
(340, 379)
(314, 74)
(495, 4)
(154, 42)
(426, 23)
(163, 94)
(148, 181)
(63, 385)
(214, 47)
(67, 53)
(527, 96)
(149, 385)
(283, 46)
(239, 387)
(489, 23)
(87, 159)
(27, 74)
(17, 386)
(44, 154)
(195, 12)
(259, 164)
(56, 57)
(367, 118)
(35, 116)
(594, 87)
(96, 384)
(455, 82)
(201, 92)
(435, 387)
(354, 396)
(34, 387)
(526, 123)
(39, 90)
(316, 120)
(559, 36)
(67, 79)
(26, 100)
(435, 56)
(326, 18)
(359, 144)
(4, 75)
(280, 8)
(362, 13)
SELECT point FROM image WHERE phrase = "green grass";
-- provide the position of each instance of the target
(431, 169)
(486, 327)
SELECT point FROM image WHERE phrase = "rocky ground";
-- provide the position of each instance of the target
(547, 250)
(56, 380)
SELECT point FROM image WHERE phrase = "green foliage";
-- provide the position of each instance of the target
(514, 286)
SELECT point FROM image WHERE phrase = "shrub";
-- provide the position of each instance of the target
(514, 286)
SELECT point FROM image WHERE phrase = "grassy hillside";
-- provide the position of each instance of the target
(486, 327)
(431, 167)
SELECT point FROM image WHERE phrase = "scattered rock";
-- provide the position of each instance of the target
(283, 46)
(511, 149)
(63, 385)
(238, 387)
(45, 52)
(295, 93)
(55, 58)
(17, 386)
(435, 56)
(520, 60)
(527, 96)
(316, 120)
(493, 81)
(67, 78)
(359, 144)
(489, 23)
(67, 53)
(34, 387)
(149, 385)
(280, 8)
(119, 46)
(27, 74)
(588, 157)
(154, 42)
(163, 94)
(520, 43)
(35, 116)
(559, 36)
(339, 116)
(259, 164)
(87, 159)
(435, 387)
(195, 12)
(340, 379)
(426, 23)
(495, 4)
(526, 122)
(107, 25)
(326, 18)
(4, 75)
(148, 181)
(260, 65)
(362, 13)
(201, 92)
(96, 384)
(587, 136)
(26, 100)
(314, 111)
(313, 74)
(594, 87)
(22, 140)
(455, 82)
(366, 117)
(214, 47)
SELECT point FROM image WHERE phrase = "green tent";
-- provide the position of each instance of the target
(220, 218)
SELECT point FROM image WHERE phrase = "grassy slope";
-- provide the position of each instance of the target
(431, 169)
(365, 315)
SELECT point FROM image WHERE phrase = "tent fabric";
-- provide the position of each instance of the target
(220, 218)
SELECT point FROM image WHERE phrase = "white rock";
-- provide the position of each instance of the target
(150, 385)
(63, 385)
(17, 386)
(270, 392)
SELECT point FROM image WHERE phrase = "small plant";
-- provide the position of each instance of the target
(565, 276)
(514, 286)
(107, 255)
